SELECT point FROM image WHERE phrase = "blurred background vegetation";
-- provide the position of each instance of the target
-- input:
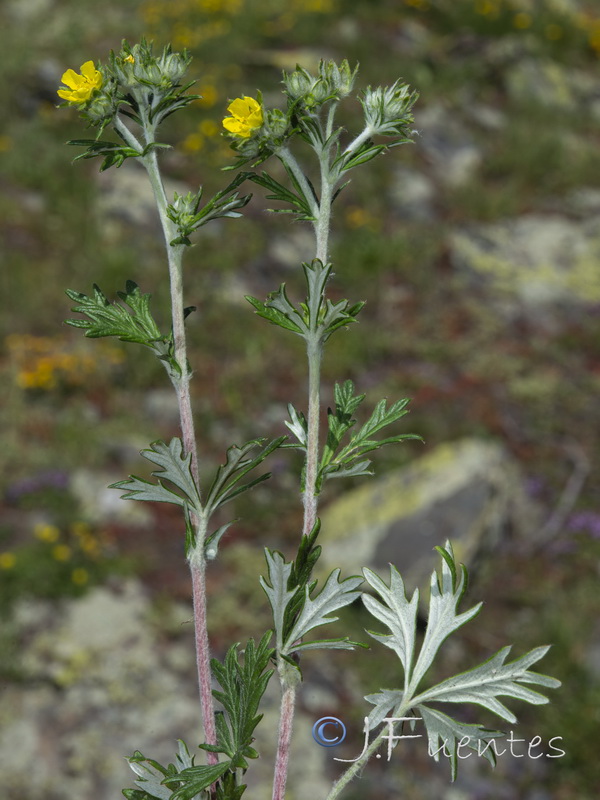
(511, 90)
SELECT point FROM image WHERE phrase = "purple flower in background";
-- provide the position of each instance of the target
(586, 521)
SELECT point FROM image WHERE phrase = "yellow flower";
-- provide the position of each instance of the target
(81, 87)
(80, 576)
(46, 533)
(129, 59)
(7, 560)
(246, 117)
(61, 552)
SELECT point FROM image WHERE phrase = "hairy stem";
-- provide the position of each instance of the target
(361, 761)
(322, 211)
(286, 719)
(181, 383)
(310, 500)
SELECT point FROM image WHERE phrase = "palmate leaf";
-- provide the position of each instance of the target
(295, 613)
(481, 685)
(304, 208)
(175, 468)
(111, 319)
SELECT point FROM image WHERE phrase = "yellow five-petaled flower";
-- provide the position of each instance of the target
(246, 117)
(83, 86)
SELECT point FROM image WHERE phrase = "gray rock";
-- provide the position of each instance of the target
(126, 198)
(448, 146)
(533, 263)
(97, 687)
(553, 85)
(466, 491)
(99, 683)
(99, 504)
(413, 195)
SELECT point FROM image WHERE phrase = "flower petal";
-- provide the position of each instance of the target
(89, 71)
(71, 79)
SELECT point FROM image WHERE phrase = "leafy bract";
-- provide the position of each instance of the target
(182, 780)
(239, 463)
(317, 318)
(295, 612)
(348, 460)
(175, 468)
(111, 319)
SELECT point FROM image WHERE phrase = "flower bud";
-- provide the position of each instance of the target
(339, 79)
(297, 83)
(277, 122)
(101, 108)
(383, 106)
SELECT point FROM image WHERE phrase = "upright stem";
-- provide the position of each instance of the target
(360, 762)
(181, 383)
(286, 719)
(322, 211)
(314, 351)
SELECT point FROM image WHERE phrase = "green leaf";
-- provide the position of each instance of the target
(277, 591)
(316, 612)
(225, 484)
(349, 461)
(298, 426)
(111, 319)
(301, 205)
(279, 311)
(445, 734)
(486, 682)
(150, 776)
(243, 685)
(481, 685)
(385, 701)
(175, 468)
(396, 612)
(446, 592)
(195, 779)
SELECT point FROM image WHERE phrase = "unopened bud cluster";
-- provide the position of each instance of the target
(387, 108)
(138, 65)
(334, 82)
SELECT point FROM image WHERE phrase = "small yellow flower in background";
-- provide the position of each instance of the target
(83, 86)
(522, 20)
(46, 533)
(554, 32)
(246, 117)
(6, 144)
(61, 552)
(80, 576)
(7, 560)
(130, 59)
